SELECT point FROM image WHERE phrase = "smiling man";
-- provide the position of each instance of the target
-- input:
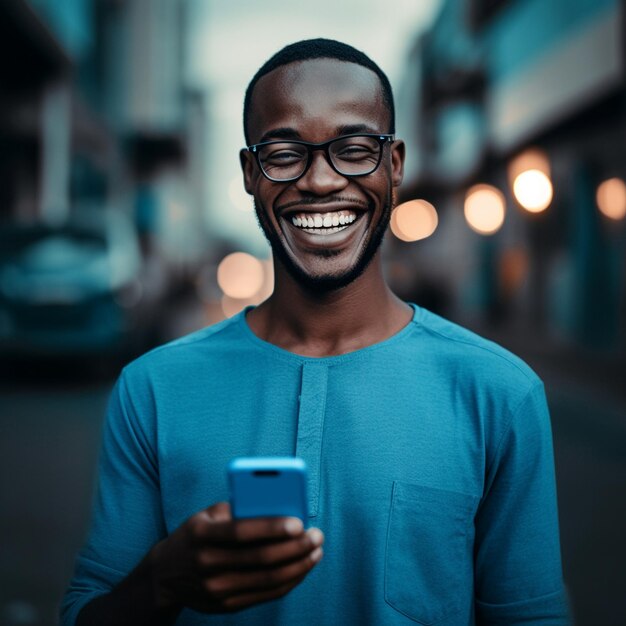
(431, 479)
(327, 223)
(322, 168)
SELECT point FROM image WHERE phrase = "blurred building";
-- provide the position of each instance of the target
(526, 99)
(94, 109)
(96, 119)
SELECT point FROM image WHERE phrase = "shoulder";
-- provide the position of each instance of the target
(217, 345)
(456, 342)
(493, 388)
(473, 360)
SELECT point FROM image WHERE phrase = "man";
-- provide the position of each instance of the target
(429, 449)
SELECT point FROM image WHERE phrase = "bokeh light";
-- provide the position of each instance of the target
(238, 196)
(513, 270)
(414, 220)
(267, 287)
(232, 306)
(176, 211)
(533, 190)
(484, 209)
(240, 275)
(530, 159)
(611, 198)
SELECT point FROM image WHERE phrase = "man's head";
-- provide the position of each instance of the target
(325, 224)
(320, 49)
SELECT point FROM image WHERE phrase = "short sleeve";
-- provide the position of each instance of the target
(127, 518)
(518, 569)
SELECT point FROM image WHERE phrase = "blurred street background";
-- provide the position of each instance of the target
(124, 223)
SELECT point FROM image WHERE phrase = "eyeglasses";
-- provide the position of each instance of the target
(350, 155)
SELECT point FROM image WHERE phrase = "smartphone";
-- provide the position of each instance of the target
(268, 487)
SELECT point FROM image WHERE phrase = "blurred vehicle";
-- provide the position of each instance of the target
(75, 290)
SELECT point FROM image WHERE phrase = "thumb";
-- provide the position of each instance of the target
(220, 512)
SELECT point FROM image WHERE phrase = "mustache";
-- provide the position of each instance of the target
(321, 201)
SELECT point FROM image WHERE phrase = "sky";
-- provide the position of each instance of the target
(230, 39)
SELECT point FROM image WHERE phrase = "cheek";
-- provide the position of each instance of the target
(381, 192)
(263, 203)
(268, 196)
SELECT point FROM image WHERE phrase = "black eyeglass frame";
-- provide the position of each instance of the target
(325, 146)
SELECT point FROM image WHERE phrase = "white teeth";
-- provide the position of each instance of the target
(324, 231)
(323, 224)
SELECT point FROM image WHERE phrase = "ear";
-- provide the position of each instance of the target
(397, 162)
(246, 158)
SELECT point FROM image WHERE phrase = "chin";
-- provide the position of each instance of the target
(324, 284)
(327, 284)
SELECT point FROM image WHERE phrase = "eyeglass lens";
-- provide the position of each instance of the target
(349, 155)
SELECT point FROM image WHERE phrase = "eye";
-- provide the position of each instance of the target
(356, 149)
(281, 155)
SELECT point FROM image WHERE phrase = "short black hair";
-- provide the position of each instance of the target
(319, 49)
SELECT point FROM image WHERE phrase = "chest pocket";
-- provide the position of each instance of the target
(428, 557)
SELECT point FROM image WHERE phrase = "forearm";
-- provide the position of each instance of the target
(133, 602)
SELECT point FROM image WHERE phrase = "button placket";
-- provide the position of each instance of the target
(311, 426)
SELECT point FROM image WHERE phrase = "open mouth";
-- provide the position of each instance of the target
(323, 223)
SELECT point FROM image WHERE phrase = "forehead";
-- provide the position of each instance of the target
(316, 98)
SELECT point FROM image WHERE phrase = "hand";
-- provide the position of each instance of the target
(215, 564)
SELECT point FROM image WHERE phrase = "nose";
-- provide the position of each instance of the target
(321, 179)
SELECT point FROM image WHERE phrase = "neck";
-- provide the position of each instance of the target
(312, 324)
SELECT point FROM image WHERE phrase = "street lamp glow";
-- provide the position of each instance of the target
(533, 190)
(240, 275)
(238, 196)
(530, 159)
(267, 287)
(232, 306)
(484, 209)
(414, 220)
(611, 198)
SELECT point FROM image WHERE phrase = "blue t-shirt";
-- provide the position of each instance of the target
(430, 465)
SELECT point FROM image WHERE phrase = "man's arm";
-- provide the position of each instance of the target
(133, 601)
(517, 555)
(210, 563)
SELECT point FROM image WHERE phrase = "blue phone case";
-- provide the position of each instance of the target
(268, 487)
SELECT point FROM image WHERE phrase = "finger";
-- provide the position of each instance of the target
(262, 556)
(220, 512)
(230, 584)
(238, 602)
(206, 529)
(200, 524)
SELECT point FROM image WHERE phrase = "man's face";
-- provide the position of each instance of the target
(315, 101)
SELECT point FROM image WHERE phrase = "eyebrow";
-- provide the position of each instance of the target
(292, 133)
(353, 129)
(280, 133)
